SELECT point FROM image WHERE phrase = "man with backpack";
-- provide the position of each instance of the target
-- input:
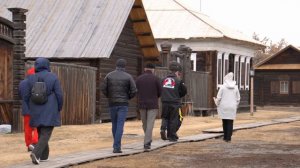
(44, 97)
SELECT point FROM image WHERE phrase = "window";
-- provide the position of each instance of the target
(284, 87)
(296, 87)
(274, 87)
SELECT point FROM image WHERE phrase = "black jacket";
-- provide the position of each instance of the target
(172, 89)
(118, 86)
(149, 90)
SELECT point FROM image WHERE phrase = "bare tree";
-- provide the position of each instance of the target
(271, 48)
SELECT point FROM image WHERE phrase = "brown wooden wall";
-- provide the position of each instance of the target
(262, 88)
(127, 47)
(6, 71)
(290, 56)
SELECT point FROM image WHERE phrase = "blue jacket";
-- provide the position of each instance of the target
(47, 114)
(22, 85)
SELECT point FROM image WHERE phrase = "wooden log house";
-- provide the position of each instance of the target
(216, 49)
(85, 38)
(277, 79)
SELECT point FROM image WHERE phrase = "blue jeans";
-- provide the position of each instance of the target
(118, 117)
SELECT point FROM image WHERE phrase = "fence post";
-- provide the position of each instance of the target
(165, 53)
(19, 18)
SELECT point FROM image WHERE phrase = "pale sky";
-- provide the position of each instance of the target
(275, 19)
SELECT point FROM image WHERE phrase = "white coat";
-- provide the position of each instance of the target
(228, 98)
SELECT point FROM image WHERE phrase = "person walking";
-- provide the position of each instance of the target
(227, 101)
(149, 90)
(30, 134)
(173, 89)
(118, 86)
(44, 115)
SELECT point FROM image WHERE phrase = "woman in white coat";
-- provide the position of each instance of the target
(227, 101)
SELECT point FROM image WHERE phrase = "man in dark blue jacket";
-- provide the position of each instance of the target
(173, 89)
(118, 86)
(44, 116)
(149, 90)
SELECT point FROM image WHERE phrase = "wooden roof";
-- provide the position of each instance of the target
(143, 30)
(265, 64)
(77, 28)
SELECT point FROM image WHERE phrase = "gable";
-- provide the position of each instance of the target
(287, 58)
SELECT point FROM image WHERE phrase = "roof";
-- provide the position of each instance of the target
(71, 29)
(170, 19)
(258, 65)
(279, 67)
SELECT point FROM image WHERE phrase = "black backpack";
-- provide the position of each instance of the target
(39, 92)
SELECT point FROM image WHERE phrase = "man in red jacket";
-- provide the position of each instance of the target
(31, 134)
(149, 90)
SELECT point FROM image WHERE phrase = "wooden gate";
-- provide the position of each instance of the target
(79, 89)
(6, 71)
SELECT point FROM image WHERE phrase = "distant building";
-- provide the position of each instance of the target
(216, 50)
(277, 79)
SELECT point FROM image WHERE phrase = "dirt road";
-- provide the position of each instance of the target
(276, 146)
(79, 138)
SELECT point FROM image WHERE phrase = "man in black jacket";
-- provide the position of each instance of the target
(173, 89)
(149, 90)
(118, 86)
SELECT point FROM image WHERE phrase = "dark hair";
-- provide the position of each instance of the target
(121, 63)
(175, 66)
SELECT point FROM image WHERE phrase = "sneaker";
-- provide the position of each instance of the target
(173, 140)
(34, 159)
(44, 160)
(163, 135)
(31, 147)
(146, 147)
(117, 151)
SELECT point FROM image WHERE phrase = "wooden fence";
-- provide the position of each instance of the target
(79, 89)
(5, 111)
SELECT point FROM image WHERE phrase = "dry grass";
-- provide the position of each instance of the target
(70, 139)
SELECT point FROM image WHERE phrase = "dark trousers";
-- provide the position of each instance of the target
(170, 119)
(227, 129)
(41, 150)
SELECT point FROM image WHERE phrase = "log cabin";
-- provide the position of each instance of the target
(277, 79)
(83, 39)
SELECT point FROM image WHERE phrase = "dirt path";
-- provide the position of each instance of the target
(70, 139)
(275, 146)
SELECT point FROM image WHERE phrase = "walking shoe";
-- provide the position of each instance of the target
(31, 147)
(34, 159)
(163, 135)
(146, 147)
(44, 160)
(173, 140)
(117, 151)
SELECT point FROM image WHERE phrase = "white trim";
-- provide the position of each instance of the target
(194, 59)
(225, 57)
(219, 57)
(247, 71)
(242, 61)
(236, 60)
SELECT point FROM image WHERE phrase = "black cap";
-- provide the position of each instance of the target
(121, 63)
(175, 66)
(150, 66)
